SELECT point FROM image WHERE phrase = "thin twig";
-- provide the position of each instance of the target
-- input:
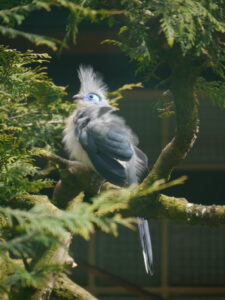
(132, 288)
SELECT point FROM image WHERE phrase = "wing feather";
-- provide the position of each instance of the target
(107, 142)
(141, 164)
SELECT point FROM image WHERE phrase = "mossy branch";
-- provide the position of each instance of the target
(55, 254)
(75, 177)
(180, 208)
(183, 80)
(144, 200)
(65, 289)
(177, 209)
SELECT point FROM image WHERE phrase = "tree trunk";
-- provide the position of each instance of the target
(183, 80)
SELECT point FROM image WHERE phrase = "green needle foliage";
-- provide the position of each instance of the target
(30, 116)
(40, 227)
(156, 33)
(186, 34)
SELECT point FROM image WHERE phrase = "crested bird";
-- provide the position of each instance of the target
(101, 140)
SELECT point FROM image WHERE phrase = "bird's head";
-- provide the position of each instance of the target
(92, 90)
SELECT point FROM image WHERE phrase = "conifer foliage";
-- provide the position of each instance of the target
(187, 36)
(31, 117)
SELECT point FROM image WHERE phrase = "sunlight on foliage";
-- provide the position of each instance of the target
(78, 10)
(31, 116)
(152, 28)
(31, 111)
(38, 226)
(152, 33)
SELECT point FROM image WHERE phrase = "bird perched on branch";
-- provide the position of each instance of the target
(101, 140)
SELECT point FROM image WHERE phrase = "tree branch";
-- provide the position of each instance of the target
(132, 288)
(149, 204)
(56, 254)
(66, 289)
(8, 266)
(144, 201)
(75, 177)
(183, 82)
(27, 201)
(180, 209)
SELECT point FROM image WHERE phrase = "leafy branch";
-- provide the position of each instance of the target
(115, 96)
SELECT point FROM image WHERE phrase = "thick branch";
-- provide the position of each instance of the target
(183, 81)
(152, 205)
(75, 177)
(8, 266)
(27, 201)
(179, 209)
(56, 254)
(66, 289)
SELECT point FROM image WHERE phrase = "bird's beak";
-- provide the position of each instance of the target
(77, 97)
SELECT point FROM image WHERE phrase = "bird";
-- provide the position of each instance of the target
(102, 141)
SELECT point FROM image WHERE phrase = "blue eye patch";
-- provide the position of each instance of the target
(92, 97)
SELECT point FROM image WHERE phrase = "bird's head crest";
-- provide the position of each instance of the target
(92, 88)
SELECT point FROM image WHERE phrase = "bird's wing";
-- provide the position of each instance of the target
(107, 142)
(141, 164)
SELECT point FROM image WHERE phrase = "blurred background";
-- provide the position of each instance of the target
(189, 261)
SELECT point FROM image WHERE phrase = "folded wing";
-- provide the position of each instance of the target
(107, 143)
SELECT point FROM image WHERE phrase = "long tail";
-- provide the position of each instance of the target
(146, 244)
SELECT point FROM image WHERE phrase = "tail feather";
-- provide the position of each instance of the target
(146, 244)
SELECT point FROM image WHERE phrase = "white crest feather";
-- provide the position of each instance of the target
(91, 82)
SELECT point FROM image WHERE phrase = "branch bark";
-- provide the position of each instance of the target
(183, 80)
(66, 289)
(144, 202)
(55, 254)
(177, 209)
(180, 209)
(75, 177)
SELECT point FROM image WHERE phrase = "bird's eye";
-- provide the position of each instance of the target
(93, 97)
